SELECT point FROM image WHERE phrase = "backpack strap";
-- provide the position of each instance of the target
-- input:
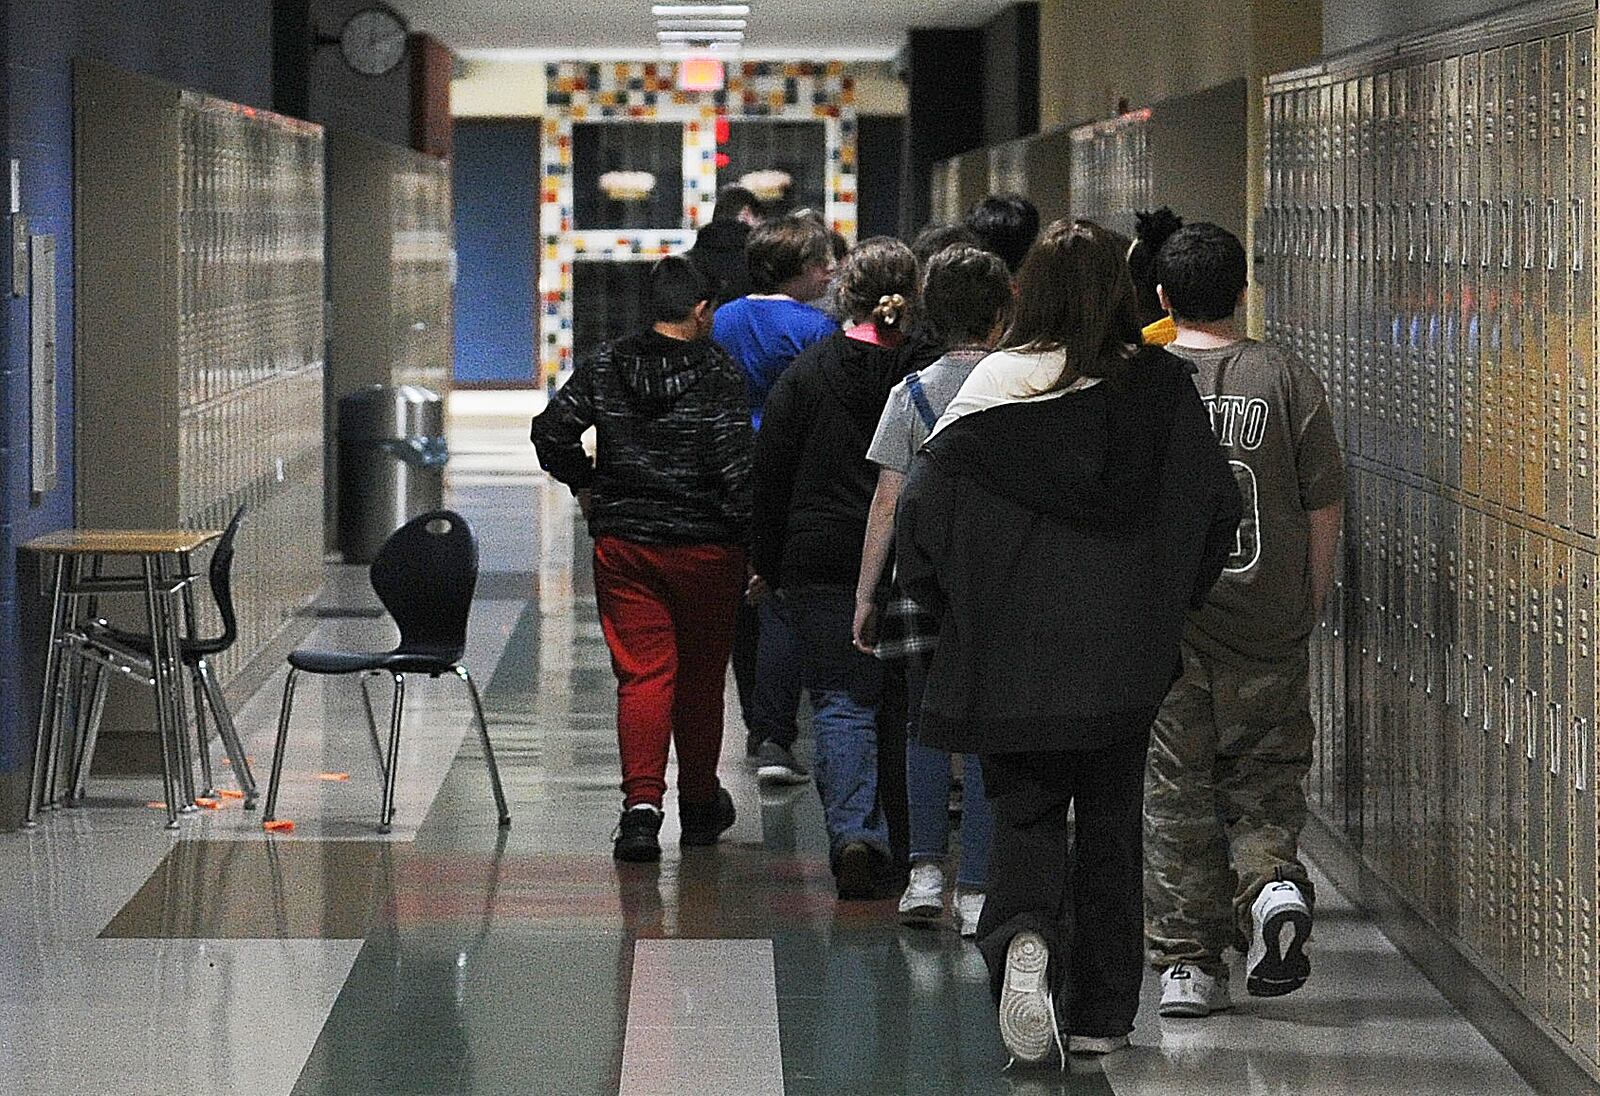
(919, 398)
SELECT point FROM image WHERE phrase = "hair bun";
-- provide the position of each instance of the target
(891, 307)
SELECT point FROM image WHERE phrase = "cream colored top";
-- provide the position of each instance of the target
(1007, 376)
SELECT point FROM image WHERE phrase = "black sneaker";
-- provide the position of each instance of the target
(858, 871)
(637, 838)
(703, 823)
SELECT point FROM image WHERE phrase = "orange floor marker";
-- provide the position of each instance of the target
(282, 825)
(156, 806)
(208, 803)
(230, 793)
(333, 777)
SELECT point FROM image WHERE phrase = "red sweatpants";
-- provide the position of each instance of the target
(668, 616)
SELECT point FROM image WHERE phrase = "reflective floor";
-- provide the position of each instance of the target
(453, 957)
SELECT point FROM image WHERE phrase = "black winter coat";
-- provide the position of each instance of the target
(672, 458)
(1060, 542)
(718, 253)
(814, 484)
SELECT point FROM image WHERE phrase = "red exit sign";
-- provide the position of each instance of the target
(701, 74)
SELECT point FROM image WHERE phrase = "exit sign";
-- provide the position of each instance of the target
(701, 74)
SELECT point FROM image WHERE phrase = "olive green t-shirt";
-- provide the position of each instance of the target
(1270, 414)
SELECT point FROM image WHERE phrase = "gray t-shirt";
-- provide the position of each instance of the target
(902, 430)
(1270, 412)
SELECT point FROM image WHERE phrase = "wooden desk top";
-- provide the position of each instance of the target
(122, 542)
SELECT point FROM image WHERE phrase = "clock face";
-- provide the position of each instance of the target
(373, 41)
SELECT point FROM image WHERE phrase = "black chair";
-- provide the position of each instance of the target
(425, 575)
(123, 648)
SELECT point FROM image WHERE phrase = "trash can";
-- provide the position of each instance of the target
(392, 454)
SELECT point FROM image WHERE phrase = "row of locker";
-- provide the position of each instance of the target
(1111, 170)
(245, 436)
(1428, 230)
(1454, 695)
(250, 237)
(422, 278)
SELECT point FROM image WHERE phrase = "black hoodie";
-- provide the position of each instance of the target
(813, 481)
(718, 253)
(672, 459)
(1059, 541)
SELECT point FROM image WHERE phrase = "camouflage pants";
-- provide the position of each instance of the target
(1224, 803)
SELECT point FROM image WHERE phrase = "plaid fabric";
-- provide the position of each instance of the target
(905, 628)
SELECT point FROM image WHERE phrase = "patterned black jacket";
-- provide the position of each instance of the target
(672, 456)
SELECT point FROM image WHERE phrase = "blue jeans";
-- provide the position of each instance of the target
(775, 696)
(844, 686)
(928, 794)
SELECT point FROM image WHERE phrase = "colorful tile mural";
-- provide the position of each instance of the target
(647, 91)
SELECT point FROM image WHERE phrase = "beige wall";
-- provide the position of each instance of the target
(515, 89)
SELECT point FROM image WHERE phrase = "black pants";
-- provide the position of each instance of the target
(892, 762)
(1084, 896)
(746, 637)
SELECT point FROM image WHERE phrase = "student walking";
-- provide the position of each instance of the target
(790, 264)
(1225, 800)
(813, 490)
(1069, 506)
(719, 248)
(966, 303)
(667, 498)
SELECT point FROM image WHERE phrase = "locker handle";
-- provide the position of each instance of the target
(1553, 725)
(1488, 709)
(1530, 727)
(1508, 712)
(1529, 244)
(1581, 753)
(1552, 234)
(1427, 232)
(1411, 234)
(1505, 233)
(1394, 224)
(1575, 226)
(1483, 233)
(1466, 686)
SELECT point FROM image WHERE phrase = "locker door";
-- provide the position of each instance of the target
(1580, 426)
(1530, 408)
(1374, 754)
(1558, 276)
(1422, 586)
(1269, 213)
(1430, 189)
(1444, 654)
(1585, 852)
(1558, 795)
(1514, 807)
(1327, 244)
(1471, 288)
(1449, 308)
(1493, 878)
(1407, 341)
(1334, 310)
(1383, 251)
(1534, 725)
(1491, 222)
(1366, 166)
(1468, 728)
(1398, 714)
(1513, 291)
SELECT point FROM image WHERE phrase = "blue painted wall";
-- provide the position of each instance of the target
(497, 207)
(220, 46)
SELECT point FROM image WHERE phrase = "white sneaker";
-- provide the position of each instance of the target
(923, 900)
(1276, 965)
(1028, 1024)
(1096, 1044)
(968, 908)
(1189, 991)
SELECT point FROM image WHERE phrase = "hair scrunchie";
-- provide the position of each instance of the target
(891, 308)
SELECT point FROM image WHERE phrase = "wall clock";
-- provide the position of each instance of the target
(373, 40)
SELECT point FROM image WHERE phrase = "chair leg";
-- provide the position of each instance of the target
(372, 726)
(91, 735)
(277, 754)
(392, 767)
(228, 732)
(208, 780)
(488, 747)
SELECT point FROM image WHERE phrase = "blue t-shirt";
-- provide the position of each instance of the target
(764, 336)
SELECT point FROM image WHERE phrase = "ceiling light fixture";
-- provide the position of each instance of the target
(700, 36)
(700, 9)
(700, 24)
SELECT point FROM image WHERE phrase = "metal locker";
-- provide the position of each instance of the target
(1469, 734)
(1366, 166)
(1396, 696)
(1493, 877)
(1530, 759)
(1490, 224)
(1559, 715)
(1471, 299)
(1271, 155)
(1325, 258)
(1404, 88)
(1408, 690)
(1434, 210)
(1422, 601)
(1444, 652)
(1450, 243)
(1337, 277)
(1583, 391)
(1558, 276)
(1381, 319)
(1585, 902)
(1369, 619)
(1421, 337)
(1533, 261)
(1514, 806)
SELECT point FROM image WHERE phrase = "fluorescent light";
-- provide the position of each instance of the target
(700, 9)
(700, 36)
(700, 24)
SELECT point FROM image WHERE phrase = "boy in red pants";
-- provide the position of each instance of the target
(667, 498)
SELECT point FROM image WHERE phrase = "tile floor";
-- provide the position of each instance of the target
(453, 957)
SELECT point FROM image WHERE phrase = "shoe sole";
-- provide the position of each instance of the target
(1191, 1011)
(1097, 1047)
(699, 838)
(1282, 969)
(637, 856)
(1027, 1016)
(856, 883)
(781, 774)
(922, 913)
